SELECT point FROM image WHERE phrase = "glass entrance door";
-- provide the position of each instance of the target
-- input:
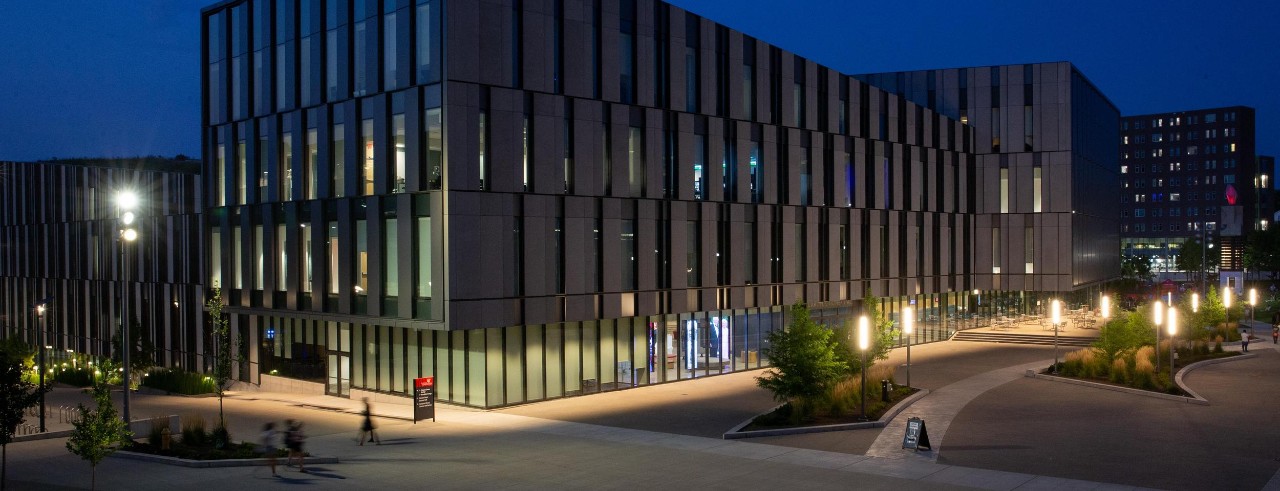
(338, 372)
(339, 380)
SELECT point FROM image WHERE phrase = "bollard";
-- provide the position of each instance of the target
(164, 438)
(884, 390)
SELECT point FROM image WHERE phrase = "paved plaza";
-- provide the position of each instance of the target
(991, 427)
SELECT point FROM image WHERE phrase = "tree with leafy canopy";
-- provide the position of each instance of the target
(884, 336)
(1262, 252)
(1135, 267)
(1125, 333)
(142, 354)
(804, 359)
(100, 431)
(19, 394)
(224, 356)
(1193, 258)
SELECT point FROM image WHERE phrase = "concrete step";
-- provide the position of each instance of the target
(1036, 339)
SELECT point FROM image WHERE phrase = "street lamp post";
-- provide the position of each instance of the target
(864, 340)
(1156, 312)
(1253, 304)
(908, 326)
(1055, 310)
(1173, 329)
(126, 202)
(44, 339)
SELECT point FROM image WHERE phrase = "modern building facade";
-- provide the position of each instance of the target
(1185, 175)
(1043, 154)
(522, 198)
(59, 244)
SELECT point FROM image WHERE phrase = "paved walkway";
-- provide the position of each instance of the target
(470, 448)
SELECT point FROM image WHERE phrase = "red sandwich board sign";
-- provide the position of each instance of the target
(424, 399)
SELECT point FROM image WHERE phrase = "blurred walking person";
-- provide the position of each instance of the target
(366, 425)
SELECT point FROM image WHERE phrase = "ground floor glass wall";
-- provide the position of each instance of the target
(512, 365)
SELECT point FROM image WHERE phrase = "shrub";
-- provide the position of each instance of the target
(1071, 364)
(193, 432)
(1147, 353)
(1217, 347)
(1119, 371)
(1144, 372)
(1124, 333)
(77, 377)
(176, 380)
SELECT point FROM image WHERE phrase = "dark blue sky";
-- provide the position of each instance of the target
(95, 78)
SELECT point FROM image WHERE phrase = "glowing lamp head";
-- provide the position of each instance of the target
(1195, 302)
(127, 218)
(1158, 313)
(1055, 311)
(40, 309)
(908, 320)
(129, 235)
(127, 200)
(864, 333)
(1106, 307)
(1253, 297)
(1173, 321)
(1226, 297)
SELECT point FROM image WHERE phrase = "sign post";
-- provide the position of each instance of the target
(917, 437)
(424, 399)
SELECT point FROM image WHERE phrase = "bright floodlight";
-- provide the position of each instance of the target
(1055, 311)
(1226, 297)
(1106, 307)
(129, 234)
(908, 320)
(1253, 297)
(1158, 311)
(40, 309)
(1195, 302)
(864, 334)
(127, 218)
(127, 200)
(1173, 321)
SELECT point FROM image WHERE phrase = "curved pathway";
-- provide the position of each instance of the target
(939, 408)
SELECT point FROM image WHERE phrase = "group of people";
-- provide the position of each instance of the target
(293, 438)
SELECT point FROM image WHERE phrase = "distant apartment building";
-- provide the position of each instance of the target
(1186, 175)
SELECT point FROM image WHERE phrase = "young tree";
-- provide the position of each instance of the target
(100, 431)
(1126, 332)
(1262, 252)
(19, 394)
(803, 357)
(224, 356)
(1212, 313)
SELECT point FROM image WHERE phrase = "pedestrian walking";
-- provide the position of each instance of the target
(1244, 340)
(1275, 334)
(366, 425)
(269, 445)
(293, 440)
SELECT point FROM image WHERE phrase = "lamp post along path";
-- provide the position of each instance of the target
(864, 338)
(1055, 311)
(908, 326)
(126, 202)
(1157, 311)
(1173, 330)
(44, 340)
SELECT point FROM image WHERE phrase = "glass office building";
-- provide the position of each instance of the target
(521, 198)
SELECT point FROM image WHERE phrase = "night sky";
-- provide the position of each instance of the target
(85, 78)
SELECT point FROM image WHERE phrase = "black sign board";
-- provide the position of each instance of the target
(917, 437)
(424, 399)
